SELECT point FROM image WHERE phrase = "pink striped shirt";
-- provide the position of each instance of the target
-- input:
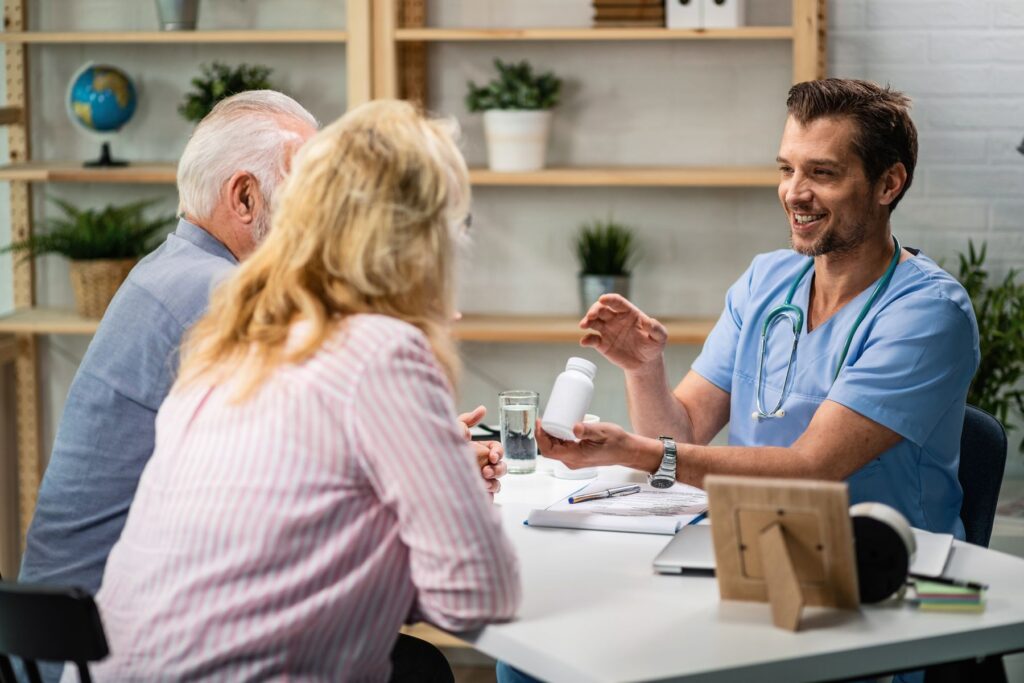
(291, 535)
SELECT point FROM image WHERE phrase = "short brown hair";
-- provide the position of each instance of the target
(885, 133)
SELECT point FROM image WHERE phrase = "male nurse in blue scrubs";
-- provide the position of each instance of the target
(887, 340)
(846, 357)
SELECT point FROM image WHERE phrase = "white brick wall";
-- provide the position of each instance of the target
(968, 91)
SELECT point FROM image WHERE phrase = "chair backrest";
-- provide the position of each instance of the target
(982, 460)
(56, 624)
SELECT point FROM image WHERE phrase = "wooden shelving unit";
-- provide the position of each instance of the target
(140, 172)
(590, 34)
(29, 322)
(522, 329)
(170, 37)
(46, 321)
(653, 176)
(610, 176)
(561, 329)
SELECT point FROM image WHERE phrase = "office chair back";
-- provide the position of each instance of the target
(982, 460)
(55, 624)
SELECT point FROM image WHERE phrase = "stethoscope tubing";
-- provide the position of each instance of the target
(789, 311)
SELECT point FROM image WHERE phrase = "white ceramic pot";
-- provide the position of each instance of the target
(516, 140)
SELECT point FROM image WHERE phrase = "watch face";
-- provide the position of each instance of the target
(661, 483)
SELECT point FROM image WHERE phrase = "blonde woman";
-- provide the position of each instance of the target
(310, 490)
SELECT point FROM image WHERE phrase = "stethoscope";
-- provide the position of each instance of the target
(795, 315)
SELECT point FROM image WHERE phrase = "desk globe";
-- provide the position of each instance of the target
(101, 100)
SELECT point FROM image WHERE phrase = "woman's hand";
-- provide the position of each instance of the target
(490, 456)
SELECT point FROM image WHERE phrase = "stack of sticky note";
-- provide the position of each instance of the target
(942, 597)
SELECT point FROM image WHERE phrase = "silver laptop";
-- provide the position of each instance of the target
(689, 552)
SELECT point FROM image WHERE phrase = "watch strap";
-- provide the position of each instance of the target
(665, 476)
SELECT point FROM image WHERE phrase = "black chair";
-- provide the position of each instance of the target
(982, 460)
(43, 623)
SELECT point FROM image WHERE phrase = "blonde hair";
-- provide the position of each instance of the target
(367, 222)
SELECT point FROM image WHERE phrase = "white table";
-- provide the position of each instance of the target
(594, 610)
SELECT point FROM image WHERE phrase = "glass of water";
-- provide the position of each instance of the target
(517, 411)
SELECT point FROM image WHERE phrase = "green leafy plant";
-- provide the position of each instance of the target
(605, 248)
(999, 309)
(516, 87)
(114, 232)
(219, 81)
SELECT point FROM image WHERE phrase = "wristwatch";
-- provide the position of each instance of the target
(666, 474)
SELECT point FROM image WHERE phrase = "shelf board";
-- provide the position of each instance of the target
(178, 37)
(591, 34)
(635, 176)
(535, 329)
(476, 328)
(141, 172)
(666, 176)
(46, 321)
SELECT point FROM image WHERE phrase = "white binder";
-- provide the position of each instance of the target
(724, 13)
(683, 13)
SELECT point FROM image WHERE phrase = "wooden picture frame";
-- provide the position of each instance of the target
(784, 541)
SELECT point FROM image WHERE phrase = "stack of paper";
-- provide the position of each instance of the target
(651, 511)
(941, 597)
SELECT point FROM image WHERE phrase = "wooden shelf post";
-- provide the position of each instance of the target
(385, 49)
(26, 365)
(810, 27)
(358, 53)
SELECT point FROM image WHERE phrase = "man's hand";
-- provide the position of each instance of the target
(601, 443)
(623, 333)
(490, 456)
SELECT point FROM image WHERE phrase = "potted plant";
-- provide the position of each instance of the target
(177, 15)
(999, 309)
(517, 115)
(102, 245)
(606, 251)
(218, 81)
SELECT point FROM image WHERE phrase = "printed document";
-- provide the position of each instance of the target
(652, 511)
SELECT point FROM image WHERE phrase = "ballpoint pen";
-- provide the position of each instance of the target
(973, 585)
(615, 491)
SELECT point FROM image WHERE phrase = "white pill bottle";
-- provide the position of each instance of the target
(569, 398)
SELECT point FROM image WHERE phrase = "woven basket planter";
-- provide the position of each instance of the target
(95, 282)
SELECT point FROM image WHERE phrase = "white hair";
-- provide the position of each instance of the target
(245, 132)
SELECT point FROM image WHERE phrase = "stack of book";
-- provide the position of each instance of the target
(944, 597)
(629, 13)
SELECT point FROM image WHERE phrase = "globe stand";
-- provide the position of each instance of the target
(105, 160)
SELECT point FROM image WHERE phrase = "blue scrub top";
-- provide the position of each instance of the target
(908, 368)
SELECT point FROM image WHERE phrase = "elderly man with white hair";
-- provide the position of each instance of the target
(227, 176)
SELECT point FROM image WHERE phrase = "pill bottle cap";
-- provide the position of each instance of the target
(583, 365)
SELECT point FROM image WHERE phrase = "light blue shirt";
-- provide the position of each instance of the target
(106, 433)
(908, 368)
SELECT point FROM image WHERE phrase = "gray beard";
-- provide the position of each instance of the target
(832, 243)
